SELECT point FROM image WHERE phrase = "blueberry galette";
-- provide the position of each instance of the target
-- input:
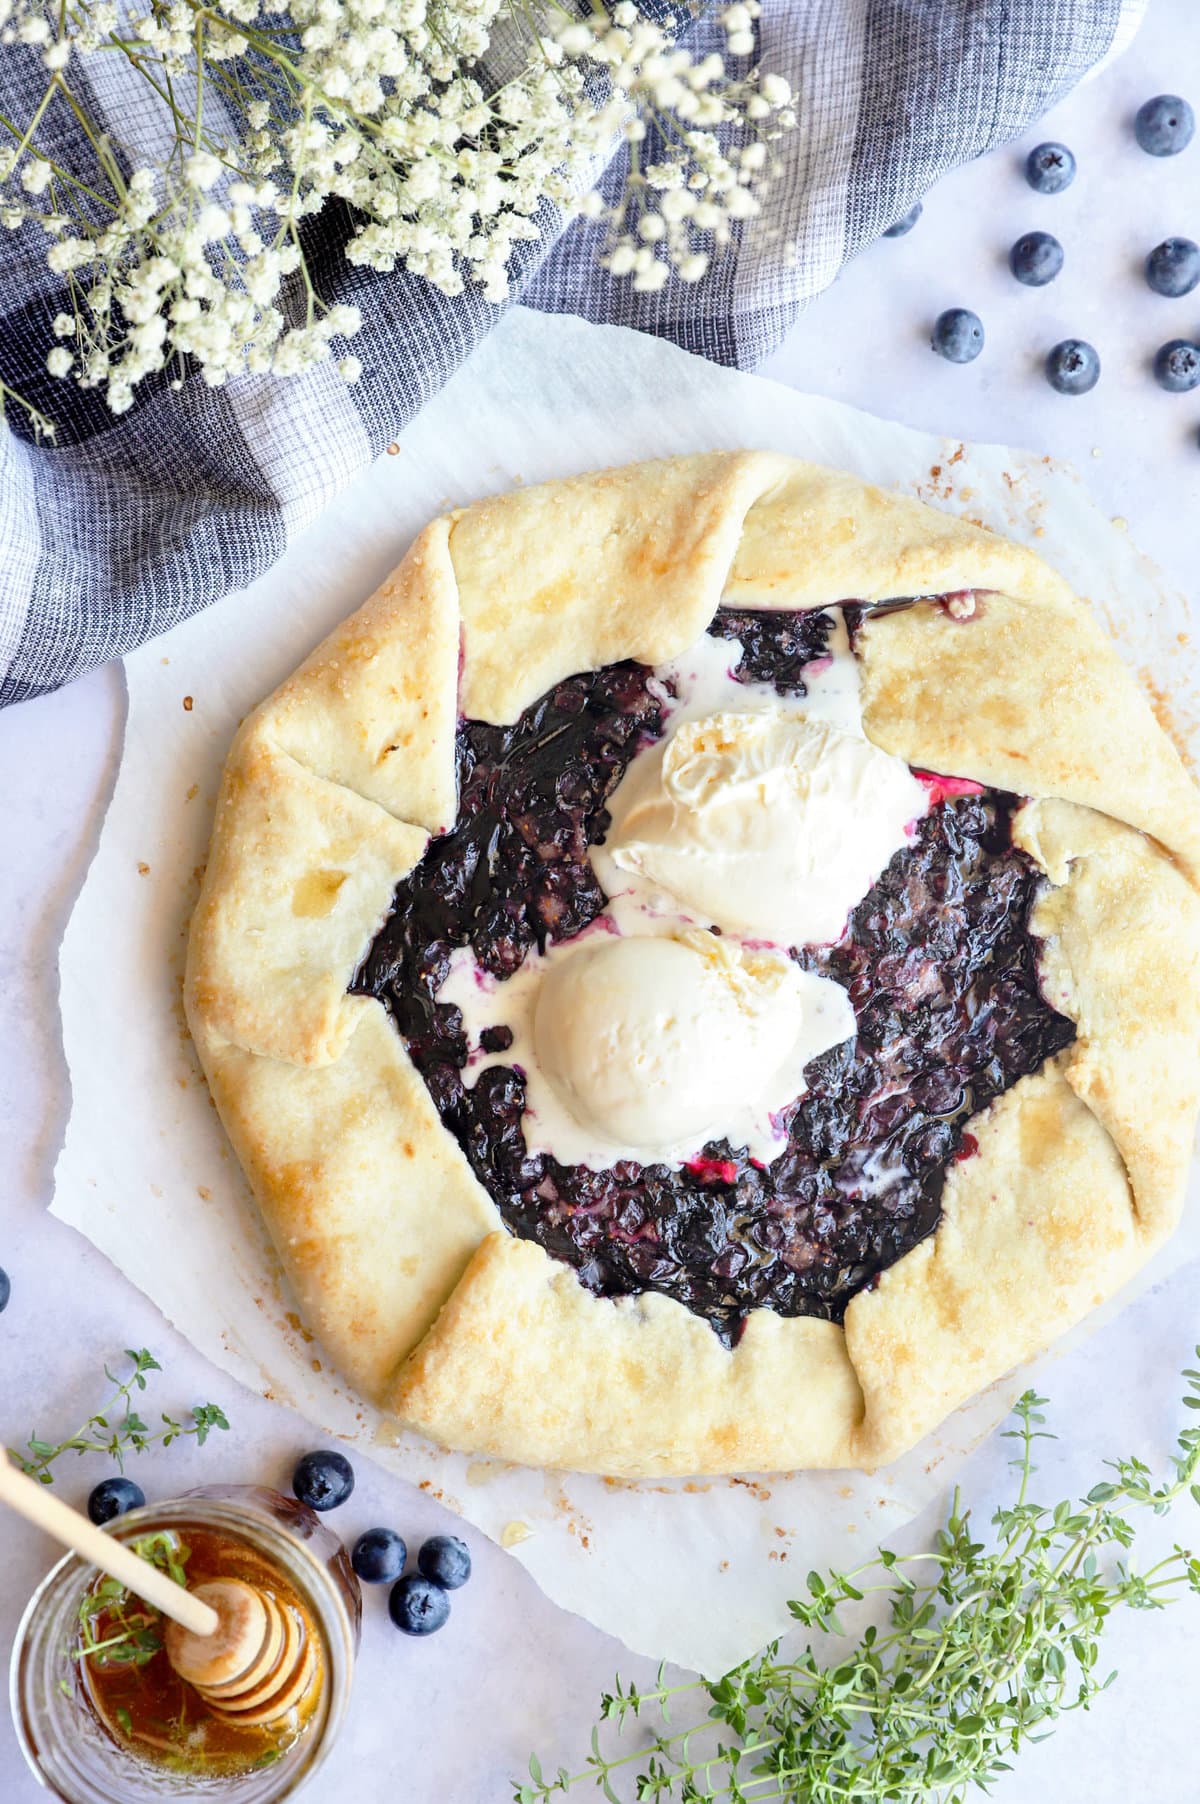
(702, 971)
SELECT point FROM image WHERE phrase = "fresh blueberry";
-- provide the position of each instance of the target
(418, 1606)
(1173, 267)
(112, 1497)
(1036, 259)
(5, 1289)
(378, 1556)
(1073, 367)
(1049, 168)
(1177, 366)
(445, 1561)
(957, 335)
(323, 1479)
(1164, 125)
(905, 223)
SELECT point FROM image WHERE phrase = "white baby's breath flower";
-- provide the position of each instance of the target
(69, 254)
(574, 38)
(343, 320)
(35, 176)
(59, 361)
(677, 204)
(201, 169)
(349, 369)
(741, 204)
(651, 278)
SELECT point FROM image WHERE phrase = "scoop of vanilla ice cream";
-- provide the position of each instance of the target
(659, 1044)
(765, 823)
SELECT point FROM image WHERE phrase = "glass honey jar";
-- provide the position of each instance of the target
(101, 1714)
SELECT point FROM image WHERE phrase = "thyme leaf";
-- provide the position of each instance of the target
(981, 1648)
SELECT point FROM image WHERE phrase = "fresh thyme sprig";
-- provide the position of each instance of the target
(982, 1648)
(130, 1635)
(119, 1435)
(130, 1630)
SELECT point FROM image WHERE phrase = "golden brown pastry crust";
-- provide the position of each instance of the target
(397, 1254)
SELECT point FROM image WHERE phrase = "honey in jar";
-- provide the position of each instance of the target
(130, 1683)
(101, 1712)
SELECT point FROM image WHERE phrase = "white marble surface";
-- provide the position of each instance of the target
(453, 1718)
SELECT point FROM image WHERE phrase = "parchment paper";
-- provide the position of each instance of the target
(696, 1572)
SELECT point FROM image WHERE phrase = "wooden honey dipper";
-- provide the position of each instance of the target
(257, 1664)
(250, 1657)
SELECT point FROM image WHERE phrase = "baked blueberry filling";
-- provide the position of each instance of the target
(775, 647)
(937, 958)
